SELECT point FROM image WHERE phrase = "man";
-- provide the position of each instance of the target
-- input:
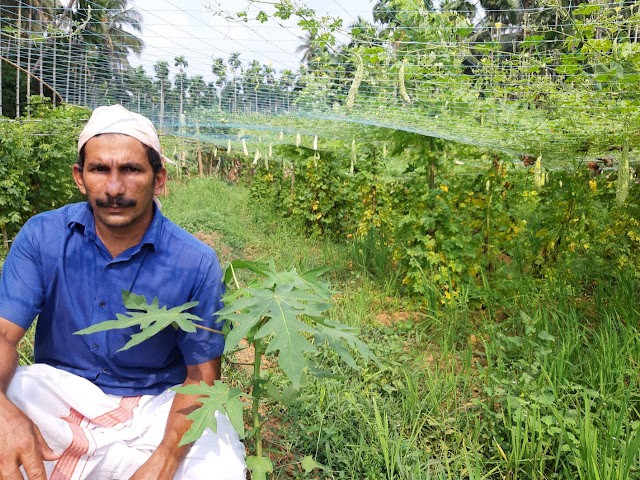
(86, 410)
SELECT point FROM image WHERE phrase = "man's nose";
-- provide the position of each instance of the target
(115, 184)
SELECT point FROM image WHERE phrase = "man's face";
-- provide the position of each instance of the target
(119, 182)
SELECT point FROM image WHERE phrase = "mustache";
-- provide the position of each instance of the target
(118, 201)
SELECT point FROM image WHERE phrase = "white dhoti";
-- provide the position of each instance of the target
(107, 437)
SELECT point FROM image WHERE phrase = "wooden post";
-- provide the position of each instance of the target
(200, 168)
(5, 238)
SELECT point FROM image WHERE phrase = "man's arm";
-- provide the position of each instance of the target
(21, 442)
(164, 462)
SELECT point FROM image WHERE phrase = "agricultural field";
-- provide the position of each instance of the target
(523, 374)
(446, 202)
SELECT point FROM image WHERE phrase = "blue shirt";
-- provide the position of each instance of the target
(59, 270)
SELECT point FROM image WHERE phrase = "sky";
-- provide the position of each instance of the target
(202, 29)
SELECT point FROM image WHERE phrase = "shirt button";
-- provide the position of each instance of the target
(104, 370)
(101, 304)
(96, 346)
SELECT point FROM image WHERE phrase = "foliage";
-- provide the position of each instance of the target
(217, 397)
(36, 162)
(447, 219)
(149, 318)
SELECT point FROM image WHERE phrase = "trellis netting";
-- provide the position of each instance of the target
(555, 79)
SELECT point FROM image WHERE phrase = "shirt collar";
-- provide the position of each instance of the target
(83, 218)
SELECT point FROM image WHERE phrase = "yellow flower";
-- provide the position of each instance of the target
(444, 188)
(593, 185)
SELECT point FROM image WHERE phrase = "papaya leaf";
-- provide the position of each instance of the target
(275, 312)
(259, 467)
(260, 268)
(340, 337)
(150, 318)
(217, 397)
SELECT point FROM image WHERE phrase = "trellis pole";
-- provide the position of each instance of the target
(624, 175)
(353, 156)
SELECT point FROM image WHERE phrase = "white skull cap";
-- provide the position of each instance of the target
(117, 119)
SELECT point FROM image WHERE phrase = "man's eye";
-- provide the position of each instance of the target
(132, 169)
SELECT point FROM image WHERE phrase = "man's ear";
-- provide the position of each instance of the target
(160, 181)
(77, 176)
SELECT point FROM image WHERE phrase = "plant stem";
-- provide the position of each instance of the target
(233, 272)
(257, 393)
(208, 329)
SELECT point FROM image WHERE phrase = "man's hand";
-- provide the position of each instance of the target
(21, 444)
(164, 462)
(160, 466)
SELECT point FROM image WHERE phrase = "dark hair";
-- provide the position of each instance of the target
(152, 155)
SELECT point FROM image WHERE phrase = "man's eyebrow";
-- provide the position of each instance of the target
(94, 163)
(130, 164)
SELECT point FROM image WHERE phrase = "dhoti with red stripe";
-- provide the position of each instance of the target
(107, 437)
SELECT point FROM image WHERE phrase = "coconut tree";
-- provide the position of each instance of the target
(140, 85)
(363, 34)
(309, 47)
(197, 91)
(107, 28)
(253, 79)
(234, 63)
(219, 69)
(461, 7)
(161, 69)
(286, 83)
(181, 79)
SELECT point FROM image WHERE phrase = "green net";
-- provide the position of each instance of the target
(556, 79)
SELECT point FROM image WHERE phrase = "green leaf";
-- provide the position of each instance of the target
(217, 397)
(272, 311)
(586, 9)
(150, 318)
(308, 464)
(260, 268)
(259, 467)
(339, 337)
(262, 17)
(544, 335)
(289, 396)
